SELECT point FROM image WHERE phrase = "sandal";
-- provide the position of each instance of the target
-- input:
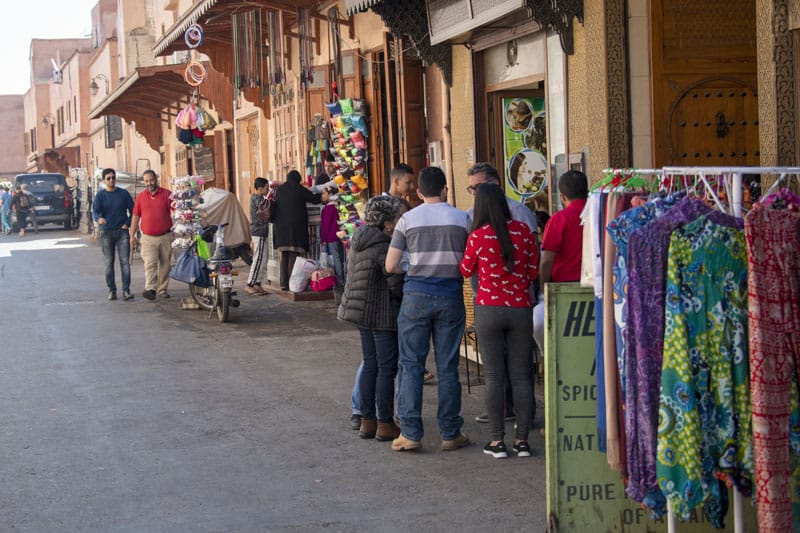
(427, 376)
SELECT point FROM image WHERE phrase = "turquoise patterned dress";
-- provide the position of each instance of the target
(704, 432)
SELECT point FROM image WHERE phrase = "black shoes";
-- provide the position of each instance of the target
(498, 451)
(150, 295)
(112, 295)
(522, 449)
(127, 295)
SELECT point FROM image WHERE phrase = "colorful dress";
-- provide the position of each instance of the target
(704, 414)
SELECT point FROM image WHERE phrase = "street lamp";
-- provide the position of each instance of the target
(93, 87)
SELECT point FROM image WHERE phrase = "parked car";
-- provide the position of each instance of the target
(54, 198)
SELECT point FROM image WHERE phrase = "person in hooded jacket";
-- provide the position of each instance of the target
(371, 301)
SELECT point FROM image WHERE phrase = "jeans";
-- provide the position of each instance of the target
(377, 378)
(421, 317)
(355, 398)
(117, 240)
(507, 350)
(336, 251)
(6, 221)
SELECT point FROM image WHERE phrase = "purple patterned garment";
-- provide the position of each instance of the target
(648, 248)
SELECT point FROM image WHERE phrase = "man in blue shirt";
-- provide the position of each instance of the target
(111, 211)
(435, 235)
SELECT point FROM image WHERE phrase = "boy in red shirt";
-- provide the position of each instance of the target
(562, 243)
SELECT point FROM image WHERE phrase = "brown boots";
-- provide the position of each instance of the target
(382, 431)
(368, 428)
(387, 431)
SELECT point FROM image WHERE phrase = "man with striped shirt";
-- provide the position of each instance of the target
(435, 235)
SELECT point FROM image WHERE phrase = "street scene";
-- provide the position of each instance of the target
(140, 416)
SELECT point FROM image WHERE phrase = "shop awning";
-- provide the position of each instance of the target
(214, 16)
(355, 6)
(151, 95)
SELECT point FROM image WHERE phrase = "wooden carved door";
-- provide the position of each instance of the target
(373, 90)
(705, 102)
(413, 148)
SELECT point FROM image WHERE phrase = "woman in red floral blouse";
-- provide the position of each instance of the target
(503, 254)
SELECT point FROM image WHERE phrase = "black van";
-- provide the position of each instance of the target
(54, 202)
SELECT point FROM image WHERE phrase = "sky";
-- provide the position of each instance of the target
(36, 19)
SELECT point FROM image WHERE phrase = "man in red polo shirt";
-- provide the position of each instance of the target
(152, 208)
(562, 244)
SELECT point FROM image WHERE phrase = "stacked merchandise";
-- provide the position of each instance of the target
(186, 211)
(348, 146)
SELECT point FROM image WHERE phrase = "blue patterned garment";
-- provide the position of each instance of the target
(619, 230)
(704, 431)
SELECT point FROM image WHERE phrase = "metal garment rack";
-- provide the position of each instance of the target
(733, 184)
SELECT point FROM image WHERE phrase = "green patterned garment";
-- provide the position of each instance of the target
(704, 432)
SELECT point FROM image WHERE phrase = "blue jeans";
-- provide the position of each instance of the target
(423, 316)
(355, 398)
(377, 378)
(117, 241)
(6, 227)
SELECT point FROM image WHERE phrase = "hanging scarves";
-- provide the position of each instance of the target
(275, 30)
(248, 50)
(306, 52)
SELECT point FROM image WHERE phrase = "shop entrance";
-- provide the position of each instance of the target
(517, 135)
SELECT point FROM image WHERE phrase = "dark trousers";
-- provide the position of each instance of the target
(506, 340)
(287, 264)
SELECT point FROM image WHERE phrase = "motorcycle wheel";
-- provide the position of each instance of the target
(204, 296)
(224, 305)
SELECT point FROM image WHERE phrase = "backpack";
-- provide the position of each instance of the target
(25, 201)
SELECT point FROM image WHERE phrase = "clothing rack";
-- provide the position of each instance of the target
(733, 183)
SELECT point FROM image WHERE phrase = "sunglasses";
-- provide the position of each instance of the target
(109, 178)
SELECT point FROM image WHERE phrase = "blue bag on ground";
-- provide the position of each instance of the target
(190, 268)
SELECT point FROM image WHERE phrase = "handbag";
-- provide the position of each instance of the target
(323, 279)
(190, 268)
(325, 258)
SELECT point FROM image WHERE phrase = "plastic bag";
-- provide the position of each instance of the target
(301, 274)
(325, 259)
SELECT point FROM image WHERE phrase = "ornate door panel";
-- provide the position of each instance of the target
(705, 104)
(372, 77)
(286, 156)
(712, 122)
(413, 146)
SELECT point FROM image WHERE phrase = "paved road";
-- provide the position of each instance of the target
(139, 416)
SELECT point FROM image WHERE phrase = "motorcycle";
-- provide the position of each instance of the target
(219, 295)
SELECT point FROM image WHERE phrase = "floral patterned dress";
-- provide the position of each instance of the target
(704, 432)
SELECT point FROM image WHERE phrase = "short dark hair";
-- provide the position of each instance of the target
(485, 168)
(260, 182)
(107, 171)
(294, 176)
(401, 170)
(431, 182)
(150, 171)
(574, 185)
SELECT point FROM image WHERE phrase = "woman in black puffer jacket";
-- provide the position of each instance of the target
(371, 301)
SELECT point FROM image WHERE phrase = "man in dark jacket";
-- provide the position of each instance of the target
(290, 227)
(111, 210)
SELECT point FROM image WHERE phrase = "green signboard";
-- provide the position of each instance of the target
(583, 493)
(525, 150)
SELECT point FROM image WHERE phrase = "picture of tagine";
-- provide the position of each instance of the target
(518, 115)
